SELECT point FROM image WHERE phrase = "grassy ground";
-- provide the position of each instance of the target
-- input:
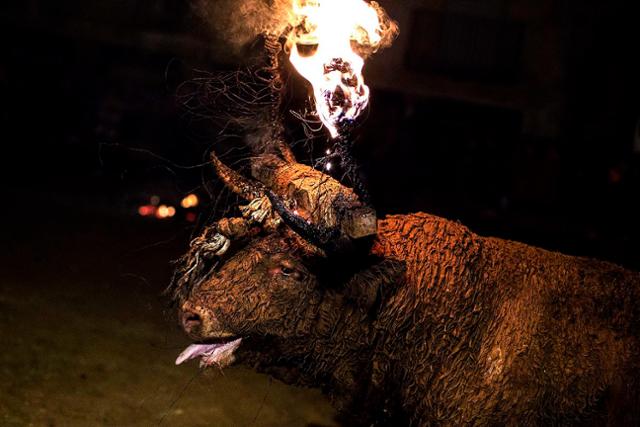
(85, 342)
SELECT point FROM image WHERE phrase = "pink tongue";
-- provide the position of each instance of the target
(218, 354)
(196, 350)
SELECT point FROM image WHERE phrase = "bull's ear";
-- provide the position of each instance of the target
(370, 287)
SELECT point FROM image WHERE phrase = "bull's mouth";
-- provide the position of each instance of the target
(217, 352)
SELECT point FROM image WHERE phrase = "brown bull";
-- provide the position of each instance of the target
(431, 325)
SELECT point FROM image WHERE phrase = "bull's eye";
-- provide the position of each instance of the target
(286, 268)
(286, 271)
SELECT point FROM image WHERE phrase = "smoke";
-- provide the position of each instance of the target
(239, 22)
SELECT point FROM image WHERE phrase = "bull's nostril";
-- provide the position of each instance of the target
(193, 318)
(190, 320)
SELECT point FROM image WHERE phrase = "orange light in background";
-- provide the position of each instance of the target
(146, 210)
(162, 212)
(165, 211)
(191, 201)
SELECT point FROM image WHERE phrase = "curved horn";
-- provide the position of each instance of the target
(245, 188)
(285, 151)
(345, 219)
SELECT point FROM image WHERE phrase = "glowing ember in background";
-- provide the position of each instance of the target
(159, 212)
(164, 211)
(329, 41)
(190, 201)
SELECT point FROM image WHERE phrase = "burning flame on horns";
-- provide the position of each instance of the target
(328, 44)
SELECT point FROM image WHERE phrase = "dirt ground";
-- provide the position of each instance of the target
(86, 340)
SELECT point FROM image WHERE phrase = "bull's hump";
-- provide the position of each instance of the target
(408, 236)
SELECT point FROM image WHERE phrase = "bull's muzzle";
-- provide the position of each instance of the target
(190, 321)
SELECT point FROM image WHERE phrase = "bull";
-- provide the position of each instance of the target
(426, 323)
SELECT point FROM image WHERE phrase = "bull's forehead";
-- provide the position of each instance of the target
(245, 269)
(244, 261)
(274, 244)
(255, 254)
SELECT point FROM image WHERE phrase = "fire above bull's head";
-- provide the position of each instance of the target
(273, 272)
(328, 44)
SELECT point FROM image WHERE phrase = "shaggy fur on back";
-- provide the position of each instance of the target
(486, 331)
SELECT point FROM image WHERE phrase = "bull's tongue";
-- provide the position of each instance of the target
(212, 354)
(195, 350)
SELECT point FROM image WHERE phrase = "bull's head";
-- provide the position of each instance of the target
(269, 274)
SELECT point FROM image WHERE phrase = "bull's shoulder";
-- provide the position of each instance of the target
(438, 253)
(419, 234)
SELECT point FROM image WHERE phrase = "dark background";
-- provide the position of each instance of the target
(519, 118)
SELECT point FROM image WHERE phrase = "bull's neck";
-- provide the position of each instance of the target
(341, 341)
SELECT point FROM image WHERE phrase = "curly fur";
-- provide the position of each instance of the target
(442, 327)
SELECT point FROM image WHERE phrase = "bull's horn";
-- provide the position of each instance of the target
(285, 151)
(245, 188)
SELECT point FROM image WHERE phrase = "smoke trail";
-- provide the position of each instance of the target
(238, 22)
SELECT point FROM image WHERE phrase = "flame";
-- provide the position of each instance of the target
(328, 44)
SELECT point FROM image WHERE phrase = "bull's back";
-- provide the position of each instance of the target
(554, 338)
(564, 335)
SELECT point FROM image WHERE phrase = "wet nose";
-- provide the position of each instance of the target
(190, 320)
